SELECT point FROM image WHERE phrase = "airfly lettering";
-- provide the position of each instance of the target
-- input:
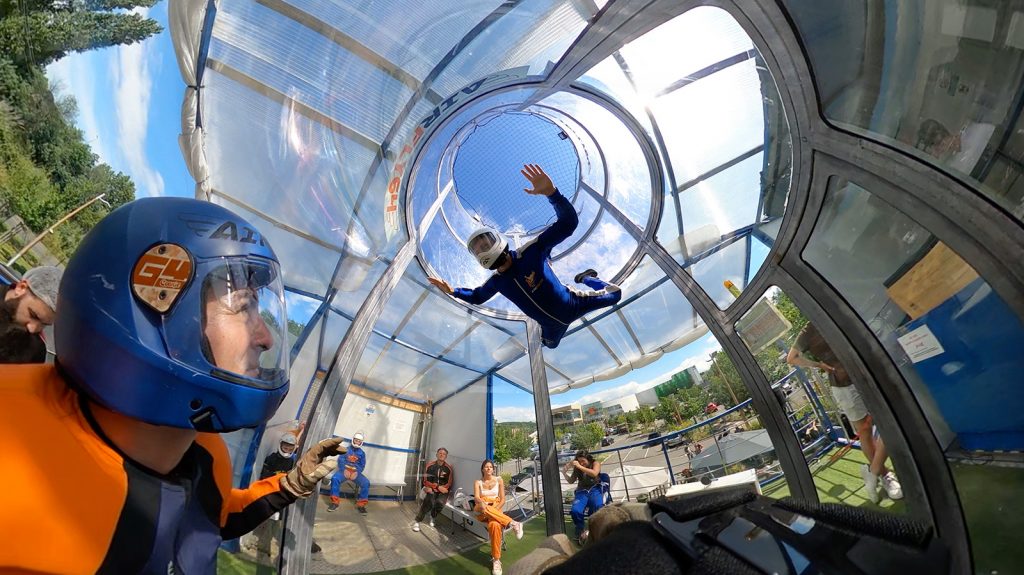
(229, 231)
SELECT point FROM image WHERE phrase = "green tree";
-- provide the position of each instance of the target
(792, 313)
(46, 169)
(45, 36)
(721, 377)
(632, 419)
(668, 409)
(501, 449)
(692, 402)
(519, 445)
(295, 328)
(512, 441)
(586, 435)
(645, 415)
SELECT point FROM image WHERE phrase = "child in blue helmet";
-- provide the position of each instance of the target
(163, 343)
(525, 277)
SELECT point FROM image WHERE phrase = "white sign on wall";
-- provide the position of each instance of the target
(920, 344)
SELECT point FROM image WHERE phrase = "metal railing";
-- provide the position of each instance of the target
(729, 441)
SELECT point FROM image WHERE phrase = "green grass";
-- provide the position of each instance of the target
(991, 499)
(478, 559)
(228, 564)
(839, 482)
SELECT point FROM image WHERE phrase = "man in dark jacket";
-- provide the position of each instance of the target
(437, 481)
(281, 460)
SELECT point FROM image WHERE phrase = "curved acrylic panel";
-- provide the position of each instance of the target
(939, 79)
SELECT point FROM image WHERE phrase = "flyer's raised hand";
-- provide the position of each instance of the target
(441, 285)
(541, 182)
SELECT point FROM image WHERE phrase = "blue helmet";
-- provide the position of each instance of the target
(172, 312)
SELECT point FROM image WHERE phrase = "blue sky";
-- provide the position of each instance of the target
(514, 404)
(129, 107)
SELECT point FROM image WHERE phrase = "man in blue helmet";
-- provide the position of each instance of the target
(170, 333)
(525, 277)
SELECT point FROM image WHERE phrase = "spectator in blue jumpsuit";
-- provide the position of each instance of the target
(525, 277)
(350, 468)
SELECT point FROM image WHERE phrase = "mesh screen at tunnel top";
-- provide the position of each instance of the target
(488, 163)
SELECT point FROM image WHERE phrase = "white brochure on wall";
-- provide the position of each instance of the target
(920, 344)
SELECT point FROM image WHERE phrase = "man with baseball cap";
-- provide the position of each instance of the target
(29, 305)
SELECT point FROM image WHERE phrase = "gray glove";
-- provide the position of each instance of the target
(313, 466)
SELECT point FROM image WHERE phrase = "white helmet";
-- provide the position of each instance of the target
(287, 439)
(487, 246)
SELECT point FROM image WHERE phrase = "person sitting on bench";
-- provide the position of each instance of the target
(437, 481)
(490, 499)
(354, 463)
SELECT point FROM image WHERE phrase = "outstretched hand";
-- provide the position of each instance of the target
(541, 182)
(441, 285)
(313, 466)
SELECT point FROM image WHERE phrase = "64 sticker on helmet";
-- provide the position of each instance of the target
(160, 275)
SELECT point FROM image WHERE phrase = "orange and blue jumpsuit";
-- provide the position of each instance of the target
(355, 460)
(73, 503)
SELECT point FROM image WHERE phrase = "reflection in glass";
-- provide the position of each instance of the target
(938, 78)
(955, 342)
(823, 404)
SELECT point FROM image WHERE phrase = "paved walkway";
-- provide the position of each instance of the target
(382, 539)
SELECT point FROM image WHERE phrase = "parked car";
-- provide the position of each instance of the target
(606, 441)
(653, 439)
(787, 387)
(675, 440)
(711, 408)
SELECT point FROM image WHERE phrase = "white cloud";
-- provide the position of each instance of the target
(300, 308)
(503, 414)
(132, 88)
(702, 360)
(612, 393)
(76, 76)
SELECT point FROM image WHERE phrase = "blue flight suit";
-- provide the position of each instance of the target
(534, 288)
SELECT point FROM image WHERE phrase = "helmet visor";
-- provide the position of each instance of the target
(482, 243)
(243, 322)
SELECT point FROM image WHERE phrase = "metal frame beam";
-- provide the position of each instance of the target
(545, 434)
